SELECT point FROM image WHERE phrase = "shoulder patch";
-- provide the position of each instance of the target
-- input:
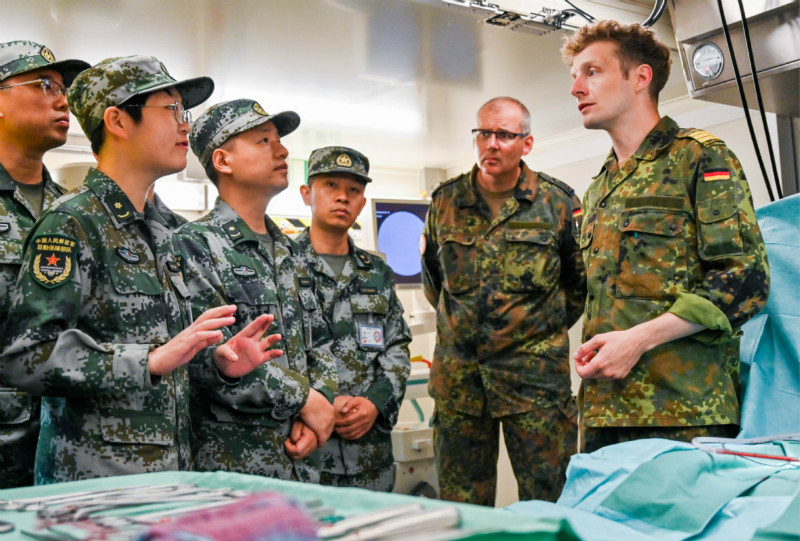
(53, 259)
(701, 136)
(558, 183)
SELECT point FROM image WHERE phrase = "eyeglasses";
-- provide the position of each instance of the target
(502, 136)
(50, 88)
(181, 115)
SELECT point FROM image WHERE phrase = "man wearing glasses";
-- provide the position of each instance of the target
(100, 324)
(502, 266)
(34, 118)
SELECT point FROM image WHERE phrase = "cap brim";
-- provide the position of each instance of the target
(193, 91)
(286, 122)
(363, 178)
(69, 69)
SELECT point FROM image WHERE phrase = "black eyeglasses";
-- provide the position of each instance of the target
(181, 114)
(502, 136)
(50, 88)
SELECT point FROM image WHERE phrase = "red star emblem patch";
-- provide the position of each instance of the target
(52, 260)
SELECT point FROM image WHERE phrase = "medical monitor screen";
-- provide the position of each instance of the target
(398, 226)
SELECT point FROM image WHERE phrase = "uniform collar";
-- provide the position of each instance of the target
(115, 201)
(651, 147)
(362, 259)
(7, 183)
(527, 184)
(237, 230)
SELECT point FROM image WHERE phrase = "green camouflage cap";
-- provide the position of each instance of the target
(114, 81)
(334, 160)
(224, 120)
(23, 56)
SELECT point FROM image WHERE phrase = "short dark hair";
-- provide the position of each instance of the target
(636, 45)
(131, 106)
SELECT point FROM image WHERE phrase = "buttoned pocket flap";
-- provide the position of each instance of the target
(666, 224)
(714, 210)
(543, 236)
(129, 279)
(369, 304)
(253, 292)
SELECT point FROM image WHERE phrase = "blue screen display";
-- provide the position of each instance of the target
(398, 228)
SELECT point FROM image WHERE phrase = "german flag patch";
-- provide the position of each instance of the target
(717, 174)
(53, 259)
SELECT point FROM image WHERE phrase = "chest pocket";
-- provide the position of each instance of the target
(531, 261)
(369, 316)
(719, 228)
(136, 427)
(459, 263)
(587, 236)
(652, 254)
(10, 251)
(252, 298)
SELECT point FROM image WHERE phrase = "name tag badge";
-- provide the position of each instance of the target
(371, 337)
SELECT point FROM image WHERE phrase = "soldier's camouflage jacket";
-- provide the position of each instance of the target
(19, 412)
(242, 427)
(363, 301)
(506, 290)
(98, 290)
(672, 230)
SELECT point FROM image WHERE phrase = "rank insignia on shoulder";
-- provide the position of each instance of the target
(717, 174)
(232, 230)
(5, 227)
(304, 281)
(243, 270)
(121, 208)
(364, 259)
(128, 256)
(53, 260)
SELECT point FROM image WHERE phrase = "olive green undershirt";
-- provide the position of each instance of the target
(495, 200)
(33, 194)
(335, 262)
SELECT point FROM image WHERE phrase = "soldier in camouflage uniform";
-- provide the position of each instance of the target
(99, 321)
(278, 415)
(675, 259)
(356, 292)
(501, 265)
(31, 81)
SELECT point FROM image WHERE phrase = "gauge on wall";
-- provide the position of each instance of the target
(708, 61)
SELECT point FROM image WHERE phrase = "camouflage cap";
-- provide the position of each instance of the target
(224, 120)
(333, 160)
(23, 56)
(115, 80)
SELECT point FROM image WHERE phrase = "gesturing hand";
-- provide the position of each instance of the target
(187, 343)
(247, 351)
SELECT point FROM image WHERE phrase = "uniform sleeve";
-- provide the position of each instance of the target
(573, 271)
(322, 371)
(394, 365)
(431, 268)
(46, 353)
(271, 388)
(735, 285)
